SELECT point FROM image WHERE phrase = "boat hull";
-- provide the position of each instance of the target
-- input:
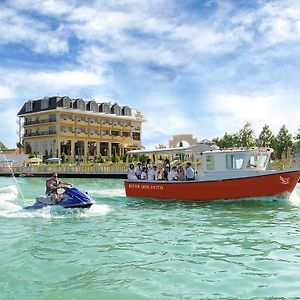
(278, 183)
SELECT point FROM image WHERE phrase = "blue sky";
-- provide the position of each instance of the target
(201, 67)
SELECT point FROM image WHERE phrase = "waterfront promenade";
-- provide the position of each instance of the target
(95, 171)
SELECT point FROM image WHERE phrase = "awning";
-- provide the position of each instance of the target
(33, 160)
(53, 160)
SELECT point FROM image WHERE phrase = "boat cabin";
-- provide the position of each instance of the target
(211, 161)
(241, 159)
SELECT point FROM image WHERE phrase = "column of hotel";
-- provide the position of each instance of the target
(80, 129)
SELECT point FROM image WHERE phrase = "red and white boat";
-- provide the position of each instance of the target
(224, 174)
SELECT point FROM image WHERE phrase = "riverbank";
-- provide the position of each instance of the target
(95, 171)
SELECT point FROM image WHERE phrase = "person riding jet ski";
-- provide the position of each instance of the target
(52, 185)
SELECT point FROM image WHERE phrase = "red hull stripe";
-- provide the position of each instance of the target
(246, 187)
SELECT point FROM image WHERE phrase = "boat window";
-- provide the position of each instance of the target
(235, 161)
(253, 161)
(210, 162)
(264, 160)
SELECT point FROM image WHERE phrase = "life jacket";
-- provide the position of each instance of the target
(49, 183)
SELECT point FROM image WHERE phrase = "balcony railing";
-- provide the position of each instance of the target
(40, 133)
(42, 121)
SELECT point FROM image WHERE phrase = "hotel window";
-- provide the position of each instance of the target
(52, 118)
(104, 132)
(29, 106)
(52, 129)
(66, 117)
(92, 120)
(45, 103)
(136, 136)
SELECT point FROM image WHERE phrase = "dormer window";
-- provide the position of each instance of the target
(67, 102)
(45, 103)
(126, 111)
(29, 105)
(104, 107)
(115, 109)
(93, 106)
(79, 104)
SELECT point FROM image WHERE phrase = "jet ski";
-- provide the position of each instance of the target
(71, 198)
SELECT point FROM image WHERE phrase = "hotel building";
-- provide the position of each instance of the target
(80, 129)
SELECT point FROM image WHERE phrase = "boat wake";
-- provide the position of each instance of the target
(295, 196)
(110, 193)
(12, 206)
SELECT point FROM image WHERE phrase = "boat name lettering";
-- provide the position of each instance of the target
(145, 186)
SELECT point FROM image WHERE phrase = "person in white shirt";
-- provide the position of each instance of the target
(144, 174)
(138, 170)
(190, 172)
(173, 175)
(151, 172)
(131, 173)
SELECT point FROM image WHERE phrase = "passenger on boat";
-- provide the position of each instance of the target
(160, 173)
(144, 174)
(190, 172)
(181, 173)
(52, 185)
(148, 164)
(167, 164)
(131, 175)
(138, 170)
(165, 174)
(152, 172)
(173, 175)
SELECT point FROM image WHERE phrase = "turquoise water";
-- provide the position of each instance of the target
(125, 248)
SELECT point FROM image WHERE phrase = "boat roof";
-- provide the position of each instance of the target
(205, 149)
(177, 150)
(241, 149)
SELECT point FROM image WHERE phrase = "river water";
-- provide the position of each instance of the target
(124, 248)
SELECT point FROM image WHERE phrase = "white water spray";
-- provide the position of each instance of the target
(14, 178)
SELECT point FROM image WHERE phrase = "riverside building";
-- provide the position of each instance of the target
(82, 130)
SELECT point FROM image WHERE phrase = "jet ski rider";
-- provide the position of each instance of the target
(52, 185)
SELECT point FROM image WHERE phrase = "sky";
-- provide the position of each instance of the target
(201, 67)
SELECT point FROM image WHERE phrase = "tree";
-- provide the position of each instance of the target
(115, 157)
(246, 136)
(284, 141)
(63, 157)
(266, 138)
(2, 146)
(297, 137)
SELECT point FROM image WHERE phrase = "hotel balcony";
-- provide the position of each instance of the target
(39, 133)
(42, 121)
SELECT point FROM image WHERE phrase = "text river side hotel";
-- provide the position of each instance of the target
(80, 129)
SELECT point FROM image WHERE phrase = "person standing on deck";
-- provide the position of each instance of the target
(190, 172)
(131, 175)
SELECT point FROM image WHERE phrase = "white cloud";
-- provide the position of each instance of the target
(35, 34)
(6, 93)
(230, 112)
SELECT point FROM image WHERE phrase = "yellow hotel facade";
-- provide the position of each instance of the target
(82, 130)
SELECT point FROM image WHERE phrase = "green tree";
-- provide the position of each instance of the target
(114, 157)
(2, 146)
(246, 136)
(266, 138)
(297, 137)
(63, 157)
(284, 141)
